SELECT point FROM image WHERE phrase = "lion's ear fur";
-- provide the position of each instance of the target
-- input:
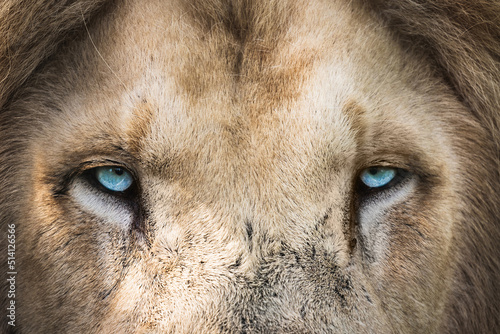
(463, 37)
(31, 30)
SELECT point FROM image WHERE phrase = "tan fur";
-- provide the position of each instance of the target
(246, 125)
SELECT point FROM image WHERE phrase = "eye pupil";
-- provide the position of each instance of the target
(118, 171)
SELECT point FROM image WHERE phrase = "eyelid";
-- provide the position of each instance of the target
(92, 164)
(387, 164)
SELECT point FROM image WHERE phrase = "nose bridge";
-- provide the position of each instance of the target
(274, 257)
(256, 228)
(274, 201)
(276, 183)
(254, 210)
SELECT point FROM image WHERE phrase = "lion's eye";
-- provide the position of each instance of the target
(113, 178)
(377, 177)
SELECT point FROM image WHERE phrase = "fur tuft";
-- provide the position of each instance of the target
(32, 31)
(463, 37)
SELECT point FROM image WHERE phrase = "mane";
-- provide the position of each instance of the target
(31, 31)
(463, 38)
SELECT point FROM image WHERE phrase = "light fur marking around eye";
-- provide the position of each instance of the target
(102, 205)
(372, 210)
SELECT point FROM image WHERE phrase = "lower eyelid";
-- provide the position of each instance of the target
(400, 189)
(101, 204)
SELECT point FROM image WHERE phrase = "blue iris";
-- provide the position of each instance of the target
(376, 177)
(114, 178)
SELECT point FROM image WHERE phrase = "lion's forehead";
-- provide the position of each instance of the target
(257, 102)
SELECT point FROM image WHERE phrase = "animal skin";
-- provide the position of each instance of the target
(247, 127)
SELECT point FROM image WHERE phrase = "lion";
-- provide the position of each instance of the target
(250, 166)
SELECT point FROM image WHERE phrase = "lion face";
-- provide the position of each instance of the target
(292, 169)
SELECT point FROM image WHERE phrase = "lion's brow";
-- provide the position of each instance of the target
(140, 125)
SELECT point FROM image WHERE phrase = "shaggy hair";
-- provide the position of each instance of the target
(463, 40)
(460, 38)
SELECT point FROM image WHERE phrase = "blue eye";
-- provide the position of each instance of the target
(376, 177)
(114, 178)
